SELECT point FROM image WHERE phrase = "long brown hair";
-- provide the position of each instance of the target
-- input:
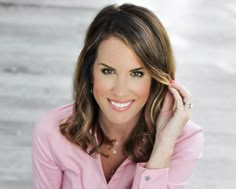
(143, 32)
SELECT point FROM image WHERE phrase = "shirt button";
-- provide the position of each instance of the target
(147, 178)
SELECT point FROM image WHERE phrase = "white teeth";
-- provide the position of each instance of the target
(121, 105)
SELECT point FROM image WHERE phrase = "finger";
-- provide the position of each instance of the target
(168, 103)
(184, 93)
(177, 97)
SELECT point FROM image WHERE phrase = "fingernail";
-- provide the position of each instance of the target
(172, 81)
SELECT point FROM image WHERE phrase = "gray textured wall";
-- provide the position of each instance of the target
(40, 42)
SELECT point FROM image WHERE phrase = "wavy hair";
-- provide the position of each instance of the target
(142, 31)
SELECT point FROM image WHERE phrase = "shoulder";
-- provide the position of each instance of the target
(191, 130)
(190, 143)
(52, 119)
(48, 141)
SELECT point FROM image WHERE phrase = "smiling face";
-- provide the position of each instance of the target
(121, 84)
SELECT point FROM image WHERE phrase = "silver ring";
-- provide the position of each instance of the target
(189, 105)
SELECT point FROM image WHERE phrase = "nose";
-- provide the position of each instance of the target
(120, 87)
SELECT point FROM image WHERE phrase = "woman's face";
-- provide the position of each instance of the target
(121, 84)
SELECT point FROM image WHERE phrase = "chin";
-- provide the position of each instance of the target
(122, 120)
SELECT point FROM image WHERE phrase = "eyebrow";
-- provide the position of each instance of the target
(135, 69)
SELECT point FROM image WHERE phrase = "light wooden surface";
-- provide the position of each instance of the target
(39, 45)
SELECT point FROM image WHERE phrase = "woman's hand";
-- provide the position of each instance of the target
(172, 119)
(174, 115)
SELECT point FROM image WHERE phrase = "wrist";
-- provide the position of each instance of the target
(159, 158)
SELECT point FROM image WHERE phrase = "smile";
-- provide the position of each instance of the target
(120, 106)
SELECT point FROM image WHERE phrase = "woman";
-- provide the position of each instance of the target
(129, 125)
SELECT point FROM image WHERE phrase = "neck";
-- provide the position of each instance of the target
(116, 132)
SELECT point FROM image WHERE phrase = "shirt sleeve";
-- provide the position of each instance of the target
(46, 172)
(188, 150)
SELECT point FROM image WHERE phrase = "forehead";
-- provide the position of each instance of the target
(113, 51)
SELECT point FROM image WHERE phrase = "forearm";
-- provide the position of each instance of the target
(161, 155)
(172, 162)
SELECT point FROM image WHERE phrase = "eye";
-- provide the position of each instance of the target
(107, 71)
(137, 74)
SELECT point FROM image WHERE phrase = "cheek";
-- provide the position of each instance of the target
(100, 86)
(142, 90)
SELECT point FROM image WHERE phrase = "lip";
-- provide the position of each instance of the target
(120, 106)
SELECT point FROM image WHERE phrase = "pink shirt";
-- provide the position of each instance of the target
(59, 164)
